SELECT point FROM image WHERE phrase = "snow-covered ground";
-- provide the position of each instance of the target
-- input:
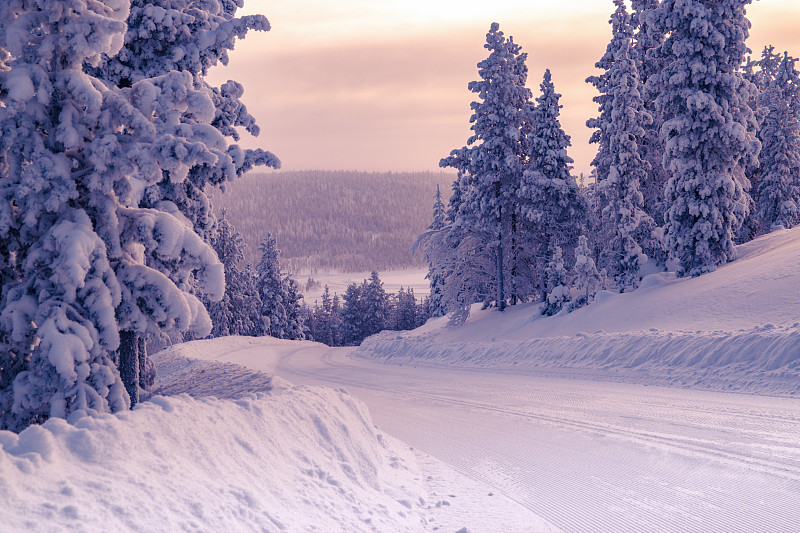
(262, 455)
(735, 329)
(567, 416)
(511, 422)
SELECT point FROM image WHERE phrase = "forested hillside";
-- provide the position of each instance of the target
(326, 220)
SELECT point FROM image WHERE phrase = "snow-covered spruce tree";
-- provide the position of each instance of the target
(778, 190)
(272, 291)
(375, 305)
(621, 34)
(233, 314)
(351, 327)
(435, 276)
(325, 321)
(624, 214)
(404, 310)
(708, 128)
(648, 64)
(88, 261)
(556, 283)
(165, 37)
(491, 164)
(551, 207)
(585, 277)
(296, 327)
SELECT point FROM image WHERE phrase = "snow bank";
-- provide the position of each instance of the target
(294, 459)
(735, 329)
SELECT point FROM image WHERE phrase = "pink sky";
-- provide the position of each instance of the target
(382, 84)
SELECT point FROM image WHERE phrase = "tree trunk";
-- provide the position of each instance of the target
(514, 259)
(129, 364)
(501, 290)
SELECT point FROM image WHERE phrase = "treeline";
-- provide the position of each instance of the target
(266, 301)
(333, 220)
(698, 150)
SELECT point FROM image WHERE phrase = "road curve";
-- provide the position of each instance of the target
(589, 455)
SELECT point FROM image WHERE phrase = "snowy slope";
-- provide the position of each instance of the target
(734, 329)
(271, 457)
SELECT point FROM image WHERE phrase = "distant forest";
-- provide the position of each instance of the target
(327, 221)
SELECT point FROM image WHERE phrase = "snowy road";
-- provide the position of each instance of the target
(586, 455)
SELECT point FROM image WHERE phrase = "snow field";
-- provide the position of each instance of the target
(735, 329)
(587, 454)
(292, 460)
(283, 458)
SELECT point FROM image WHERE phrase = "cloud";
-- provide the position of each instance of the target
(392, 103)
(399, 101)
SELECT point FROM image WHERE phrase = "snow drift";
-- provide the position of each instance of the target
(291, 458)
(734, 329)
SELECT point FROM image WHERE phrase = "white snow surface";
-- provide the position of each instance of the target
(511, 423)
(736, 329)
(263, 455)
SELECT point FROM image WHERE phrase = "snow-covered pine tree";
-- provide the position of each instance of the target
(183, 36)
(778, 190)
(762, 74)
(171, 36)
(624, 214)
(322, 325)
(585, 277)
(87, 261)
(551, 208)
(272, 291)
(621, 34)
(709, 128)
(404, 315)
(556, 283)
(296, 327)
(436, 277)
(375, 304)
(336, 320)
(439, 211)
(233, 315)
(351, 327)
(648, 64)
(491, 164)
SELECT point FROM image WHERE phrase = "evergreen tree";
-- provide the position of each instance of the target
(550, 202)
(375, 305)
(296, 327)
(272, 291)
(624, 212)
(556, 283)
(323, 325)
(351, 327)
(88, 268)
(435, 276)
(708, 129)
(233, 314)
(585, 277)
(646, 42)
(491, 166)
(621, 36)
(778, 190)
(179, 41)
(336, 321)
(405, 310)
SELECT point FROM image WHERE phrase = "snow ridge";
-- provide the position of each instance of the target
(762, 360)
(295, 459)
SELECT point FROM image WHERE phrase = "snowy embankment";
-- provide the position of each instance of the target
(735, 329)
(286, 458)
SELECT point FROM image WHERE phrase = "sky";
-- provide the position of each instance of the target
(381, 85)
